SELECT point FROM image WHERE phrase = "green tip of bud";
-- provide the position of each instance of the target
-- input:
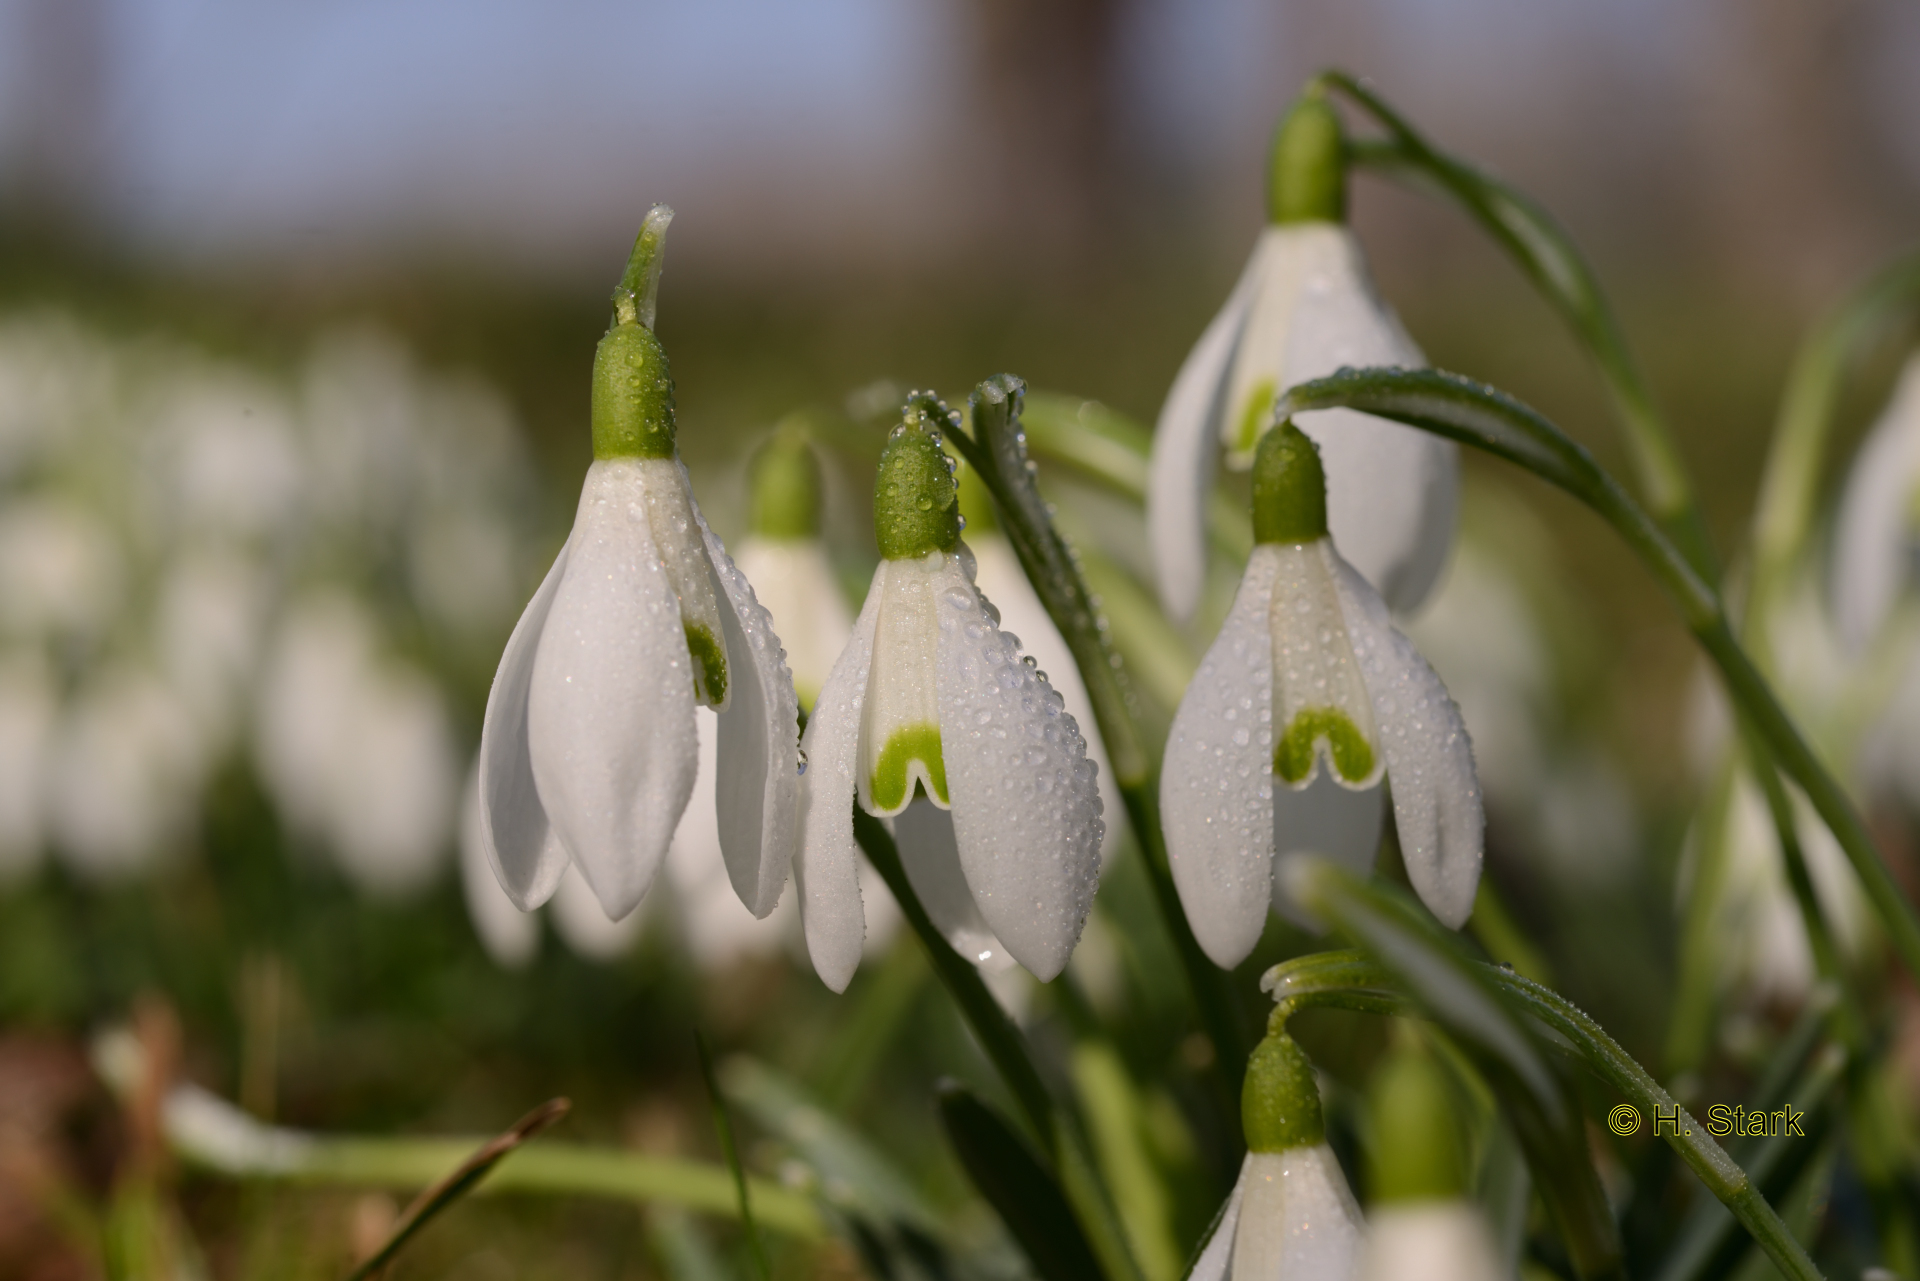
(916, 507)
(1279, 1100)
(1289, 488)
(632, 384)
(1417, 1152)
(783, 481)
(634, 298)
(1307, 176)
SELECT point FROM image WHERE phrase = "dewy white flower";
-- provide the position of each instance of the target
(1433, 1240)
(588, 752)
(1303, 308)
(1306, 700)
(931, 695)
(1291, 1215)
(1878, 527)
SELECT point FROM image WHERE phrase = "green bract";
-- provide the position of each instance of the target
(1416, 1149)
(916, 504)
(632, 383)
(1307, 176)
(1279, 1100)
(784, 480)
(1289, 488)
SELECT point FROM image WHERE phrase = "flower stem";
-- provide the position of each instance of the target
(1348, 980)
(1547, 256)
(1052, 1125)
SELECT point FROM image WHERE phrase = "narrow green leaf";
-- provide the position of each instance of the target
(1018, 1187)
(457, 1184)
(1460, 409)
(731, 1151)
(1450, 987)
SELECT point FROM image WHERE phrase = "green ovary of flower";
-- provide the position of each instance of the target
(709, 666)
(1351, 752)
(1255, 416)
(890, 781)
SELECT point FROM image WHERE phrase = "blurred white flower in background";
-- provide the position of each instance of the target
(201, 561)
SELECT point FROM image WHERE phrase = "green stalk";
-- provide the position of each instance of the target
(1052, 1125)
(1791, 481)
(1348, 980)
(1546, 255)
(997, 451)
(1462, 410)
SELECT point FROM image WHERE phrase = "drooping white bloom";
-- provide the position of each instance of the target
(588, 752)
(796, 584)
(124, 766)
(1291, 1215)
(1308, 698)
(931, 695)
(354, 746)
(1878, 526)
(1303, 308)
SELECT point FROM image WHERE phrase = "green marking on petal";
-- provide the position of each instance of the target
(890, 781)
(1351, 752)
(709, 666)
(1255, 416)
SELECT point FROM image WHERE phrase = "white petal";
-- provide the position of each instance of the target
(931, 857)
(1392, 491)
(1004, 584)
(1298, 1219)
(681, 540)
(826, 872)
(510, 935)
(757, 786)
(582, 923)
(513, 824)
(1213, 1261)
(1432, 1240)
(1216, 786)
(610, 709)
(794, 580)
(1324, 820)
(1436, 794)
(1314, 673)
(1026, 809)
(902, 709)
(1180, 473)
(1873, 534)
(1284, 258)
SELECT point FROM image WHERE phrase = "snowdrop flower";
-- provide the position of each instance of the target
(1306, 701)
(588, 751)
(1420, 1221)
(1002, 581)
(1291, 1215)
(1303, 308)
(783, 557)
(930, 695)
(1875, 534)
(124, 764)
(354, 746)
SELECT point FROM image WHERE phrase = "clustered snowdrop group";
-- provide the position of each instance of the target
(188, 553)
(931, 718)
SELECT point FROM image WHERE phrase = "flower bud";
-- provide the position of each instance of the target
(1289, 488)
(632, 383)
(783, 482)
(1417, 1152)
(916, 507)
(1279, 1099)
(1307, 174)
